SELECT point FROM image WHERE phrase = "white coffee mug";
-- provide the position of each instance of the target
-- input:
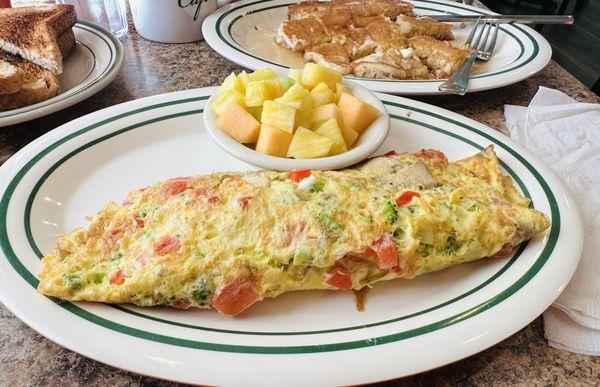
(172, 21)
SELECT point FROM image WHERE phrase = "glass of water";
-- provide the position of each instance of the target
(110, 14)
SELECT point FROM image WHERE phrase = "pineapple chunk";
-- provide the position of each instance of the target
(313, 74)
(276, 87)
(257, 92)
(225, 98)
(259, 75)
(296, 97)
(272, 141)
(331, 129)
(279, 116)
(321, 95)
(296, 75)
(238, 123)
(256, 111)
(286, 82)
(309, 145)
(232, 82)
(244, 77)
(356, 114)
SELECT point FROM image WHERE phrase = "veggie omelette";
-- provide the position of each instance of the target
(228, 240)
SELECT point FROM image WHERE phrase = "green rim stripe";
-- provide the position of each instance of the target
(243, 51)
(116, 53)
(548, 248)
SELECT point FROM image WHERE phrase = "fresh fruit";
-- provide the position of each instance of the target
(279, 116)
(225, 98)
(232, 82)
(356, 114)
(306, 144)
(296, 97)
(313, 74)
(324, 113)
(272, 141)
(239, 124)
(321, 95)
(339, 89)
(350, 135)
(263, 74)
(296, 75)
(257, 92)
(244, 77)
(331, 129)
(256, 111)
(286, 82)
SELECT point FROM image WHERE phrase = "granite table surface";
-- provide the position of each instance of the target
(27, 358)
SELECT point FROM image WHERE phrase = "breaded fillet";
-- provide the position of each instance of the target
(343, 12)
(330, 55)
(440, 56)
(356, 42)
(379, 66)
(412, 26)
(386, 34)
(301, 33)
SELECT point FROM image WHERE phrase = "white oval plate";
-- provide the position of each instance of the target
(367, 142)
(301, 338)
(92, 64)
(244, 32)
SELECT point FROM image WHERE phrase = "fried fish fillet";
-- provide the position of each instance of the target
(413, 26)
(440, 56)
(301, 33)
(228, 240)
(330, 55)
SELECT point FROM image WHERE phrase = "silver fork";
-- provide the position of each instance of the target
(481, 49)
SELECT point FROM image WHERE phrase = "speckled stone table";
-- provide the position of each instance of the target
(150, 68)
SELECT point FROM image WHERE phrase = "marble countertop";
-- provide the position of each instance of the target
(27, 358)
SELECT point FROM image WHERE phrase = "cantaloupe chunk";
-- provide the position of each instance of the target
(321, 95)
(350, 135)
(324, 113)
(225, 98)
(331, 129)
(280, 116)
(239, 124)
(232, 82)
(339, 89)
(306, 144)
(356, 114)
(272, 141)
(313, 74)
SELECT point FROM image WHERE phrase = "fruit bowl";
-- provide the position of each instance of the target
(368, 142)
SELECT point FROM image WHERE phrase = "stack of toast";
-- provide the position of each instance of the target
(371, 39)
(33, 43)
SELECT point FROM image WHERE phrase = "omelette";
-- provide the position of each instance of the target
(228, 240)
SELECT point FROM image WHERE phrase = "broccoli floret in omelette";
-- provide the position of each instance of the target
(228, 240)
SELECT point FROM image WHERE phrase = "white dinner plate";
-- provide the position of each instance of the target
(301, 338)
(244, 32)
(92, 64)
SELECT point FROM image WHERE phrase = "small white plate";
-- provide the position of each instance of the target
(92, 64)
(367, 142)
(300, 338)
(244, 32)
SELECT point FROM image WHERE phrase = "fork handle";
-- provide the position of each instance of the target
(458, 82)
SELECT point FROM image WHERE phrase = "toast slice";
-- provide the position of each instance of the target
(11, 78)
(66, 42)
(32, 33)
(37, 84)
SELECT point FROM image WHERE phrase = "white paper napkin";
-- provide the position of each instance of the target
(566, 135)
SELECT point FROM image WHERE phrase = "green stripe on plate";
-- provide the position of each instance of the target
(484, 75)
(33, 281)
